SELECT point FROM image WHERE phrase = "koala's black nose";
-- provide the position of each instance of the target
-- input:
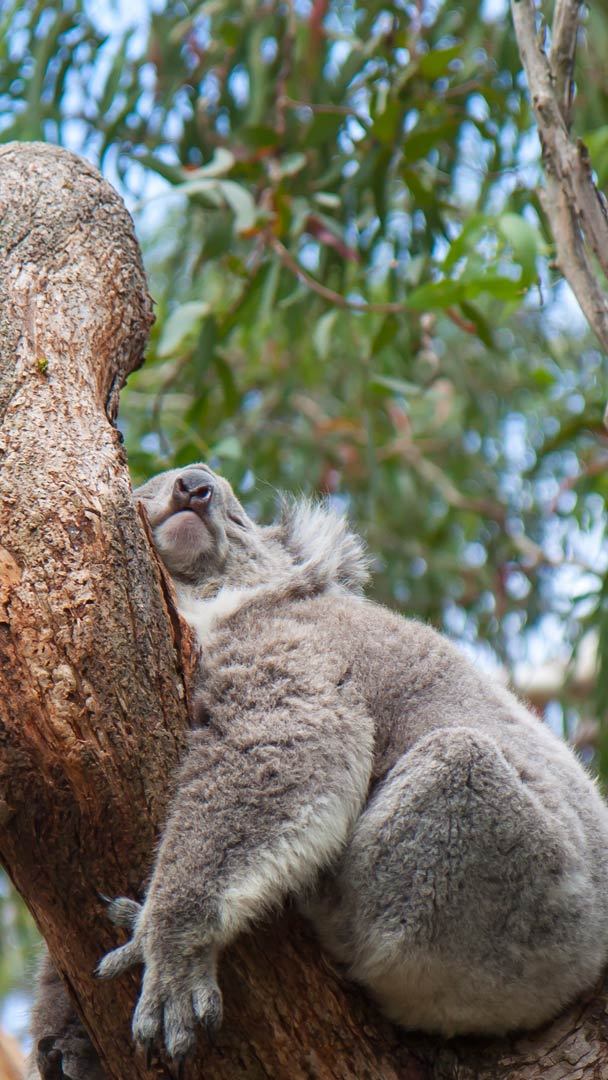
(193, 490)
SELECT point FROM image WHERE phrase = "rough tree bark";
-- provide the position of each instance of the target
(93, 667)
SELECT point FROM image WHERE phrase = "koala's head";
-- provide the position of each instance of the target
(206, 539)
(197, 522)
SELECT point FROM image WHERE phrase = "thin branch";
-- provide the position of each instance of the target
(533, 554)
(291, 264)
(322, 109)
(564, 32)
(574, 207)
(463, 324)
(572, 257)
(588, 469)
(287, 46)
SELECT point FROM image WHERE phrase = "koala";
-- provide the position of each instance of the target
(61, 1048)
(448, 848)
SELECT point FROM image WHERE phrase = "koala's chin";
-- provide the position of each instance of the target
(185, 542)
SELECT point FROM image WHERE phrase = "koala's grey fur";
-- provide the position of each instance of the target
(450, 850)
(61, 1045)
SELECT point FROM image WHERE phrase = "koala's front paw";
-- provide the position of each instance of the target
(175, 998)
(179, 989)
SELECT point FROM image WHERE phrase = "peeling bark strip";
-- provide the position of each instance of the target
(575, 209)
(92, 700)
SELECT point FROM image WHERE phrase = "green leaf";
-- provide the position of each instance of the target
(396, 386)
(221, 163)
(387, 124)
(115, 74)
(181, 326)
(224, 373)
(291, 164)
(436, 294)
(422, 139)
(322, 332)
(241, 203)
(208, 187)
(524, 240)
(497, 285)
(437, 62)
(386, 334)
(466, 240)
(481, 324)
(597, 145)
(328, 200)
(229, 447)
(543, 377)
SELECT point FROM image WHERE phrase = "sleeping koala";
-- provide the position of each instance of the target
(449, 849)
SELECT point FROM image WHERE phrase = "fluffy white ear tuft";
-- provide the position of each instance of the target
(322, 545)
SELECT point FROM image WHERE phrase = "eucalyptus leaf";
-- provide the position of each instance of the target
(181, 326)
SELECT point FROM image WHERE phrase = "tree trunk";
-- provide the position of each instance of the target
(94, 665)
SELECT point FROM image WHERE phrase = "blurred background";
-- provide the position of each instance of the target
(355, 297)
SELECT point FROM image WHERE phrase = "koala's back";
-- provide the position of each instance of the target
(413, 681)
(473, 892)
(405, 680)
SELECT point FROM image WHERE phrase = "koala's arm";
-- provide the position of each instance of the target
(266, 797)
(61, 1047)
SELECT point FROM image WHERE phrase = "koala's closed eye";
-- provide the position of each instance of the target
(237, 520)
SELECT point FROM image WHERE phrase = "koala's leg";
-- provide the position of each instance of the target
(264, 801)
(61, 1047)
(460, 901)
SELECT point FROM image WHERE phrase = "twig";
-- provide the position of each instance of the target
(463, 324)
(398, 308)
(532, 553)
(587, 469)
(321, 109)
(287, 45)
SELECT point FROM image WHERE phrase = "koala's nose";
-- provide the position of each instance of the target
(193, 490)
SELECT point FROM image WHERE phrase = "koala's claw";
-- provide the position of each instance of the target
(119, 960)
(124, 912)
(172, 1007)
(208, 1009)
(149, 1054)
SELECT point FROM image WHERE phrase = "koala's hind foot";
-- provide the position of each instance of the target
(61, 1047)
(461, 902)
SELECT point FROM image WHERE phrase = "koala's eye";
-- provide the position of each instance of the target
(237, 520)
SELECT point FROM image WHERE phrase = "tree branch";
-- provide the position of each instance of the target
(291, 264)
(564, 32)
(574, 207)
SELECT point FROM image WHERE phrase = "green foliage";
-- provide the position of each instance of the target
(19, 949)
